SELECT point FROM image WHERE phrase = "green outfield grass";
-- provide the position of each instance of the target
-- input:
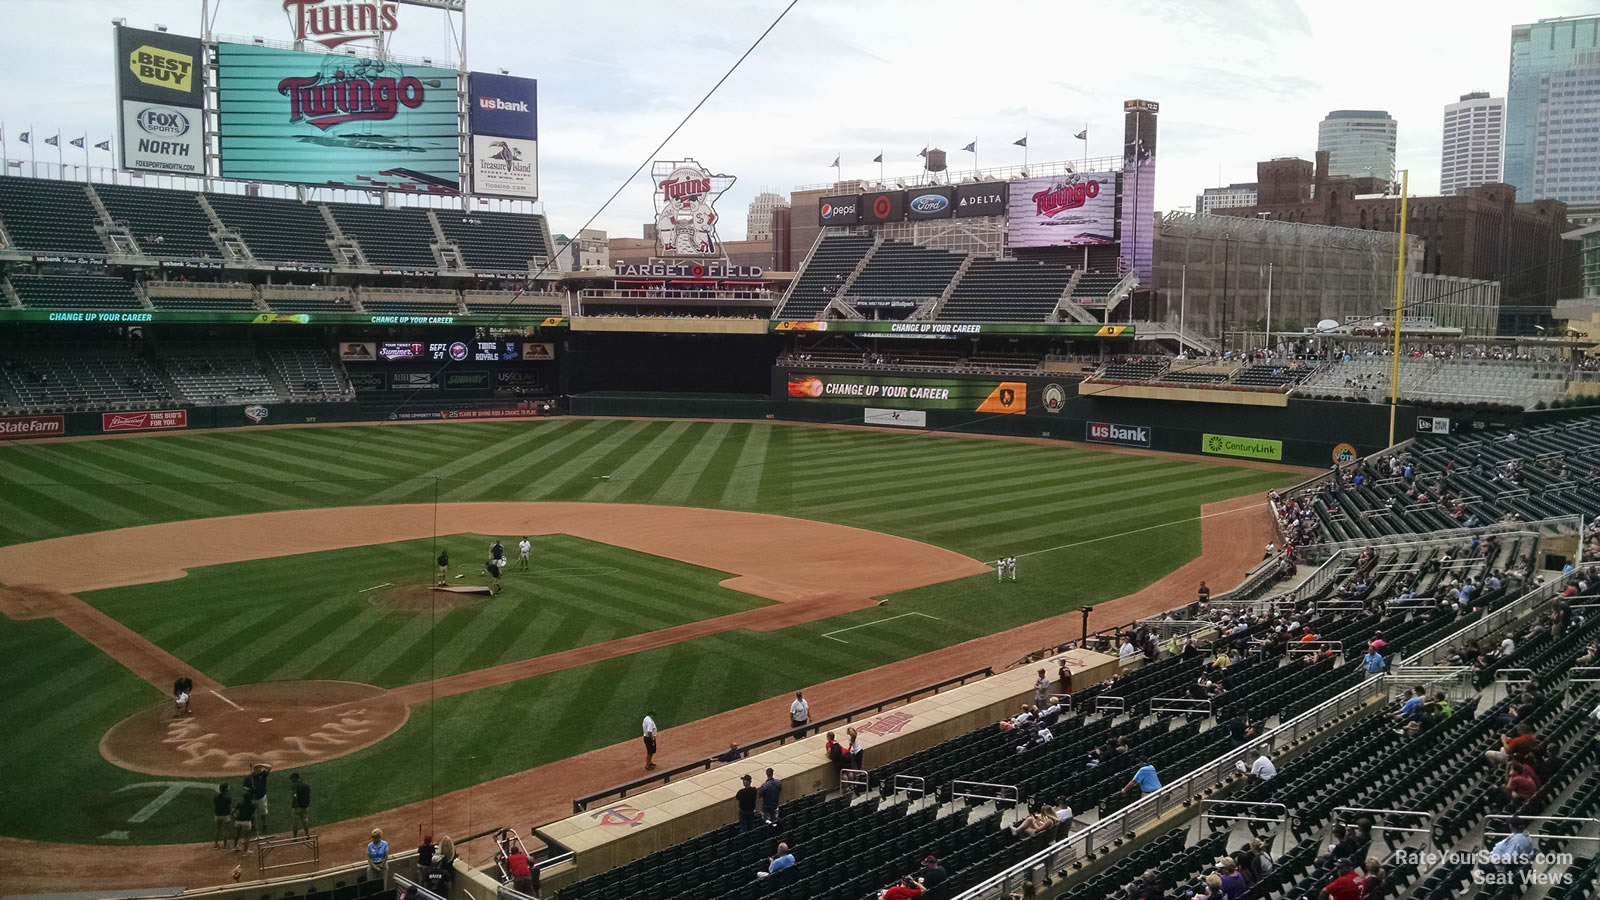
(313, 615)
(1098, 526)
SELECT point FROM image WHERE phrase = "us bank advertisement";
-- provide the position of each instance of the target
(504, 120)
(342, 121)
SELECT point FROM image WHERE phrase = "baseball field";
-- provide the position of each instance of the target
(682, 567)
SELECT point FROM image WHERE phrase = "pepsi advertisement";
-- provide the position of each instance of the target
(883, 206)
(930, 203)
(341, 121)
(841, 210)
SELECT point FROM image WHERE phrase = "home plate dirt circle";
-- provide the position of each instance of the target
(283, 723)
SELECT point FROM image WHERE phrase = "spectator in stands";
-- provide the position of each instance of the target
(931, 875)
(377, 854)
(425, 852)
(1345, 885)
(1260, 768)
(1520, 744)
(1373, 662)
(781, 860)
(1203, 597)
(1515, 849)
(1522, 784)
(1371, 881)
(770, 792)
(445, 860)
(799, 711)
(1063, 811)
(1144, 779)
(1064, 676)
(1233, 883)
(835, 753)
(1038, 819)
(1413, 706)
(852, 751)
(1041, 690)
(904, 890)
(1127, 651)
(732, 754)
(746, 797)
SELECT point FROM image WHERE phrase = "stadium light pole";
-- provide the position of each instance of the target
(1227, 246)
(1399, 304)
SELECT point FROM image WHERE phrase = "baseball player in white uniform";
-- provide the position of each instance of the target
(523, 549)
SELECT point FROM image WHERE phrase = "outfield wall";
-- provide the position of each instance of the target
(186, 418)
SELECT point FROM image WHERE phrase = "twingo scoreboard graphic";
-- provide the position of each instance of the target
(504, 121)
(907, 392)
(160, 102)
(686, 215)
(346, 121)
(1074, 210)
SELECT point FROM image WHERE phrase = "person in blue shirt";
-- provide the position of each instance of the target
(1515, 847)
(1373, 662)
(1144, 778)
(377, 853)
(1413, 706)
(783, 860)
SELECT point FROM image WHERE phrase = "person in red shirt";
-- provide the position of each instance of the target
(1345, 887)
(1521, 783)
(521, 871)
(905, 890)
(1519, 745)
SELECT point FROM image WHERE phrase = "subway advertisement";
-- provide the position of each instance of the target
(911, 392)
(345, 121)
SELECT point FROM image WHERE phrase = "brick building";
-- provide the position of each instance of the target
(1482, 233)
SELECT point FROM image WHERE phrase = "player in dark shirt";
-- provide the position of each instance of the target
(255, 785)
(222, 809)
(244, 813)
(299, 804)
(444, 564)
(746, 798)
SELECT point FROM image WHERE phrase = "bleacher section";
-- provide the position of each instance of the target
(217, 374)
(1515, 382)
(1006, 290)
(1133, 370)
(409, 302)
(498, 303)
(495, 242)
(834, 258)
(49, 217)
(901, 270)
(1455, 481)
(1274, 375)
(390, 238)
(163, 223)
(1095, 287)
(309, 373)
(277, 231)
(51, 379)
(74, 292)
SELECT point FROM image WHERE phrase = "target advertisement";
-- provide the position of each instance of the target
(1072, 210)
(343, 121)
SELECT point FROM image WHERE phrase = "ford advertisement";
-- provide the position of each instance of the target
(930, 203)
(341, 121)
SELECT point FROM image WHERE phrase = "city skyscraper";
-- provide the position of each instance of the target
(1360, 143)
(1473, 128)
(758, 222)
(1552, 145)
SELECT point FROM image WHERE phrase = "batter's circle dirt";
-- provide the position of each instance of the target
(423, 598)
(283, 723)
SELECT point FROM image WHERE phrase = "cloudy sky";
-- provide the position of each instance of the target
(1238, 80)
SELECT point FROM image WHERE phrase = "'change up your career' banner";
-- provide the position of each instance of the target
(1003, 397)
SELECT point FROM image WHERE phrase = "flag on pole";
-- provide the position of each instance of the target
(835, 163)
(924, 153)
(879, 157)
(1020, 142)
(25, 136)
(79, 142)
(1082, 135)
(971, 148)
(104, 145)
(54, 140)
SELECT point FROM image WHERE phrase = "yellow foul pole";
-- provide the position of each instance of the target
(1399, 304)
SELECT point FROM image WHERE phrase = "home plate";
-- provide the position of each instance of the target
(463, 589)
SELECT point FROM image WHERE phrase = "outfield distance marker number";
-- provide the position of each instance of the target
(830, 635)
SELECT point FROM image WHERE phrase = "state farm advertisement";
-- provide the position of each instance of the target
(1075, 210)
(149, 420)
(32, 426)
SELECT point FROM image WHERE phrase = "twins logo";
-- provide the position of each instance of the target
(1070, 195)
(686, 218)
(360, 90)
(256, 414)
(622, 815)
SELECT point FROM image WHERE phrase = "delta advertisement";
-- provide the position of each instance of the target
(985, 199)
(504, 121)
(1074, 210)
(911, 393)
(160, 100)
(345, 121)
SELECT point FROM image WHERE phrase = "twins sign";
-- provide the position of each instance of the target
(1072, 210)
(686, 215)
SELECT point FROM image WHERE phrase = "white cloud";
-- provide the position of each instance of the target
(1238, 80)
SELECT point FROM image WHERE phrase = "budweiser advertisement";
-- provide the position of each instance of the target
(147, 420)
(686, 214)
(345, 121)
(1072, 210)
(32, 426)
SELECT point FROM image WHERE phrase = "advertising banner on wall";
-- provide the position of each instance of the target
(504, 120)
(686, 216)
(160, 100)
(149, 420)
(1139, 187)
(32, 426)
(347, 121)
(883, 206)
(844, 209)
(1245, 447)
(1121, 435)
(988, 199)
(899, 418)
(930, 203)
(1073, 210)
(361, 351)
(505, 167)
(1004, 397)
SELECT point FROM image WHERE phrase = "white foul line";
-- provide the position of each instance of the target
(227, 701)
(1107, 537)
(830, 635)
(375, 587)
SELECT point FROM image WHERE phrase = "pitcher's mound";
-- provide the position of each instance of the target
(427, 597)
(282, 723)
